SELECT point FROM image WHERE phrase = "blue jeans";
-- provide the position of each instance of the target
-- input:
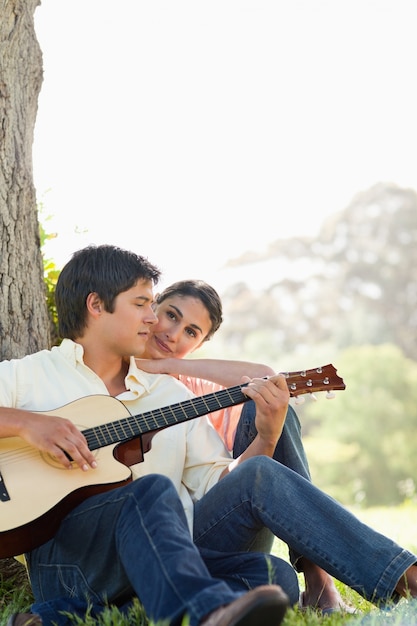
(289, 451)
(263, 493)
(146, 548)
(135, 541)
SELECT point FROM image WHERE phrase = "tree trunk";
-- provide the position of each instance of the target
(24, 322)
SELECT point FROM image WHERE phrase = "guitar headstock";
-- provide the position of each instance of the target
(322, 378)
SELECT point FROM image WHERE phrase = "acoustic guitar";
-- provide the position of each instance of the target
(36, 492)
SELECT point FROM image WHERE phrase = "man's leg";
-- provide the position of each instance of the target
(132, 541)
(246, 570)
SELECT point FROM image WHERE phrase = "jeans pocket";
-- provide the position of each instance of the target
(55, 581)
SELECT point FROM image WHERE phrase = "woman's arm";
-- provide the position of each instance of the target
(220, 371)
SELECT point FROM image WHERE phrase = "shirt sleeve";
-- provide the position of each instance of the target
(8, 384)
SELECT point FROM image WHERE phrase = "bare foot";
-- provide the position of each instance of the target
(320, 590)
(407, 585)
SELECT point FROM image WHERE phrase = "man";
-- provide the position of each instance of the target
(132, 541)
(135, 540)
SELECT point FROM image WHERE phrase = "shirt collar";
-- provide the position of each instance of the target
(72, 351)
(138, 382)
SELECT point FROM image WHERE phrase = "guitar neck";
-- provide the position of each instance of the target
(157, 419)
(323, 378)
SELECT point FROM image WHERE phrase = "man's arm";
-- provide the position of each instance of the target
(271, 398)
(51, 434)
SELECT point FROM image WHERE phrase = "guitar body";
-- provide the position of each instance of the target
(42, 492)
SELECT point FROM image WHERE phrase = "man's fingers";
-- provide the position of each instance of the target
(79, 454)
(62, 439)
(270, 389)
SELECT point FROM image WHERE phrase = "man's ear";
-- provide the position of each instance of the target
(94, 304)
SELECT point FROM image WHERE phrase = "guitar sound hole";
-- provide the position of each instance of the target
(53, 462)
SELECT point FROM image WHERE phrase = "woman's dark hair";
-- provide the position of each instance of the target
(201, 291)
(106, 270)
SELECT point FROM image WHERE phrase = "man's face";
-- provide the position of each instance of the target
(126, 330)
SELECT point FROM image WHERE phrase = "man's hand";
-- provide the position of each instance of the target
(58, 437)
(271, 397)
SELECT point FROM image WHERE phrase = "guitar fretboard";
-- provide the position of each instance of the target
(135, 425)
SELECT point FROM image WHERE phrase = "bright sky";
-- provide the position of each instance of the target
(193, 131)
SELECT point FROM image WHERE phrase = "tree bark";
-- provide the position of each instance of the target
(24, 322)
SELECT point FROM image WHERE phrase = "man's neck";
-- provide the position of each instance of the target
(112, 369)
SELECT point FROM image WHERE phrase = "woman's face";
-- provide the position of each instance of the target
(183, 323)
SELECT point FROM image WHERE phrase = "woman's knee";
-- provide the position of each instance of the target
(258, 467)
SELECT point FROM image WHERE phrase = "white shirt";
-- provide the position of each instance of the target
(191, 454)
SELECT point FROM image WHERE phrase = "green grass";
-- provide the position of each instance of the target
(399, 523)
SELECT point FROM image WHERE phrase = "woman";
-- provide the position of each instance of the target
(189, 313)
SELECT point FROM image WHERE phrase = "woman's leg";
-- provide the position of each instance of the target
(320, 590)
(289, 451)
(261, 492)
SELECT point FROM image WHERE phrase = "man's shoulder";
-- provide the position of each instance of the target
(37, 359)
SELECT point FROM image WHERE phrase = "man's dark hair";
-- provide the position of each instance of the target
(106, 270)
(201, 291)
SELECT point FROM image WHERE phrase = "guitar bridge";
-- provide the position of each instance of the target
(4, 494)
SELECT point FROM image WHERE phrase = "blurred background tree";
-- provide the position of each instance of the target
(354, 283)
(347, 296)
(362, 446)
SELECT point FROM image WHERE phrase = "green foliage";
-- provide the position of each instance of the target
(111, 616)
(13, 597)
(362, 444)
(50, 272)
(347, 296)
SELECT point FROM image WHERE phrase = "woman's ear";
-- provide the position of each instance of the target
(94, 304)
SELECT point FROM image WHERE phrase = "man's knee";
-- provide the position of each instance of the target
(152, 486)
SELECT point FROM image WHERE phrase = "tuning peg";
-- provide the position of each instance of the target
(299, 400)
(313, 397)
(330, 395)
